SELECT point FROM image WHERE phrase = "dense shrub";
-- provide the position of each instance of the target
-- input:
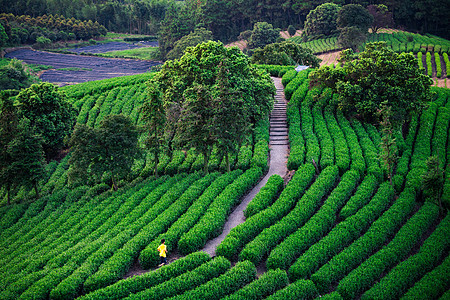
(265, 197)
(300, 289)
(245, 232)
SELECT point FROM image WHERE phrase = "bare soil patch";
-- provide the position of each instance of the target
(91, 67)
(329, 58)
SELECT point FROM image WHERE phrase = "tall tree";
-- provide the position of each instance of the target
(285, 53)
(382, 17)
(111, 148)
(321, 22)
(8, 130)
(263, 34)
(191, 93)
(377, 77)
(154, 117)
(50, 114)
(27, 156)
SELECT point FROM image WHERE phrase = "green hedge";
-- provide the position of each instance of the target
(356, 154)
(371, 153)
(275, 70)
(149, 257)
(341, 150)
(342, 235)
(177, 201)
(288, 76)
(447, 64)
(113, 209)
(429, 66)
(320, 223)
(422, 147)
(245, 232)
(362, 196)
(300, 289)
(437, 59)
(267, 284)
(296, 141)
(186, 281)
(324, 137)
(135, 284)
(304, 209)
(236, 278)
(173, 166)
(244, 157)
(330, 296)
(294, 83)
(211, 223)
(307, 121)
(378, 233)
(432, 285)
(364, 276)
(406, 273)
(59, 265)
(266, 196)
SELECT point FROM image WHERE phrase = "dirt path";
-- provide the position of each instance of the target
(279, 147)
(279, 150)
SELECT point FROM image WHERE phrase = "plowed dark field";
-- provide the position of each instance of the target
(99, 67)
(112, 46)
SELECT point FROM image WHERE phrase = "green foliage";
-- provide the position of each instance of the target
(263, 34)
(433, 180)
(27, 156)
(212, 221)
(3, 36)
(354, 15)
(365, 83)
(267, 284)
(244, 233)
(50, 114)
(270, 237)
(301, 289)
(199, 35)
(186, 281)
(285, 53)
(111, 148)
(237, 277)
(382, 17)
(211, 98)
(291, 30)
(14, 76)
(265, 197)
(136, 284)
(321, 22)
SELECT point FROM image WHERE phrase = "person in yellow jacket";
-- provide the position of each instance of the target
(162, 249)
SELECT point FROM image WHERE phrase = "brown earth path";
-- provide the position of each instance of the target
(279, 149)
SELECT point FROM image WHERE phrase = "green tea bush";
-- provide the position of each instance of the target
(406, 273)
(135, 284)
(186, 281)
(391, 254)
(265, 197)
(315, 228)
(212, 221)
(267, 284)
(245, 232)
(304, 209)
(300, 289)
(236, 278)
(288, 76)
(149, 257)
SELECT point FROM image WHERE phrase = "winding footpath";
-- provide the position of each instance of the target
(279, 150)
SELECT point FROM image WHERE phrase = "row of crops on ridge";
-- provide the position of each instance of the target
(431, 51)
(337, 230)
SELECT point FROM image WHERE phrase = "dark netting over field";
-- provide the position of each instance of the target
(112, 46)
(90, 68)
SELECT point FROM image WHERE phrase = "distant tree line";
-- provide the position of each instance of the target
(26, 29)
(224, 18)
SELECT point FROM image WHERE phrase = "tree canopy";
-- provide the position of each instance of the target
(321, 21)
(263, 34)
(377, 77)
(285, 53)
(206, 89)
(50, 114)
(110, 149)
(194, 38)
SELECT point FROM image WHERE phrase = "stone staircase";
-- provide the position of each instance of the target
(278, 119)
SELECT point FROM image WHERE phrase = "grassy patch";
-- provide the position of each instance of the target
(147, 53)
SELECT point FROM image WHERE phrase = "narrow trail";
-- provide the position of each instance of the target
(279, 150)
(279, 147)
